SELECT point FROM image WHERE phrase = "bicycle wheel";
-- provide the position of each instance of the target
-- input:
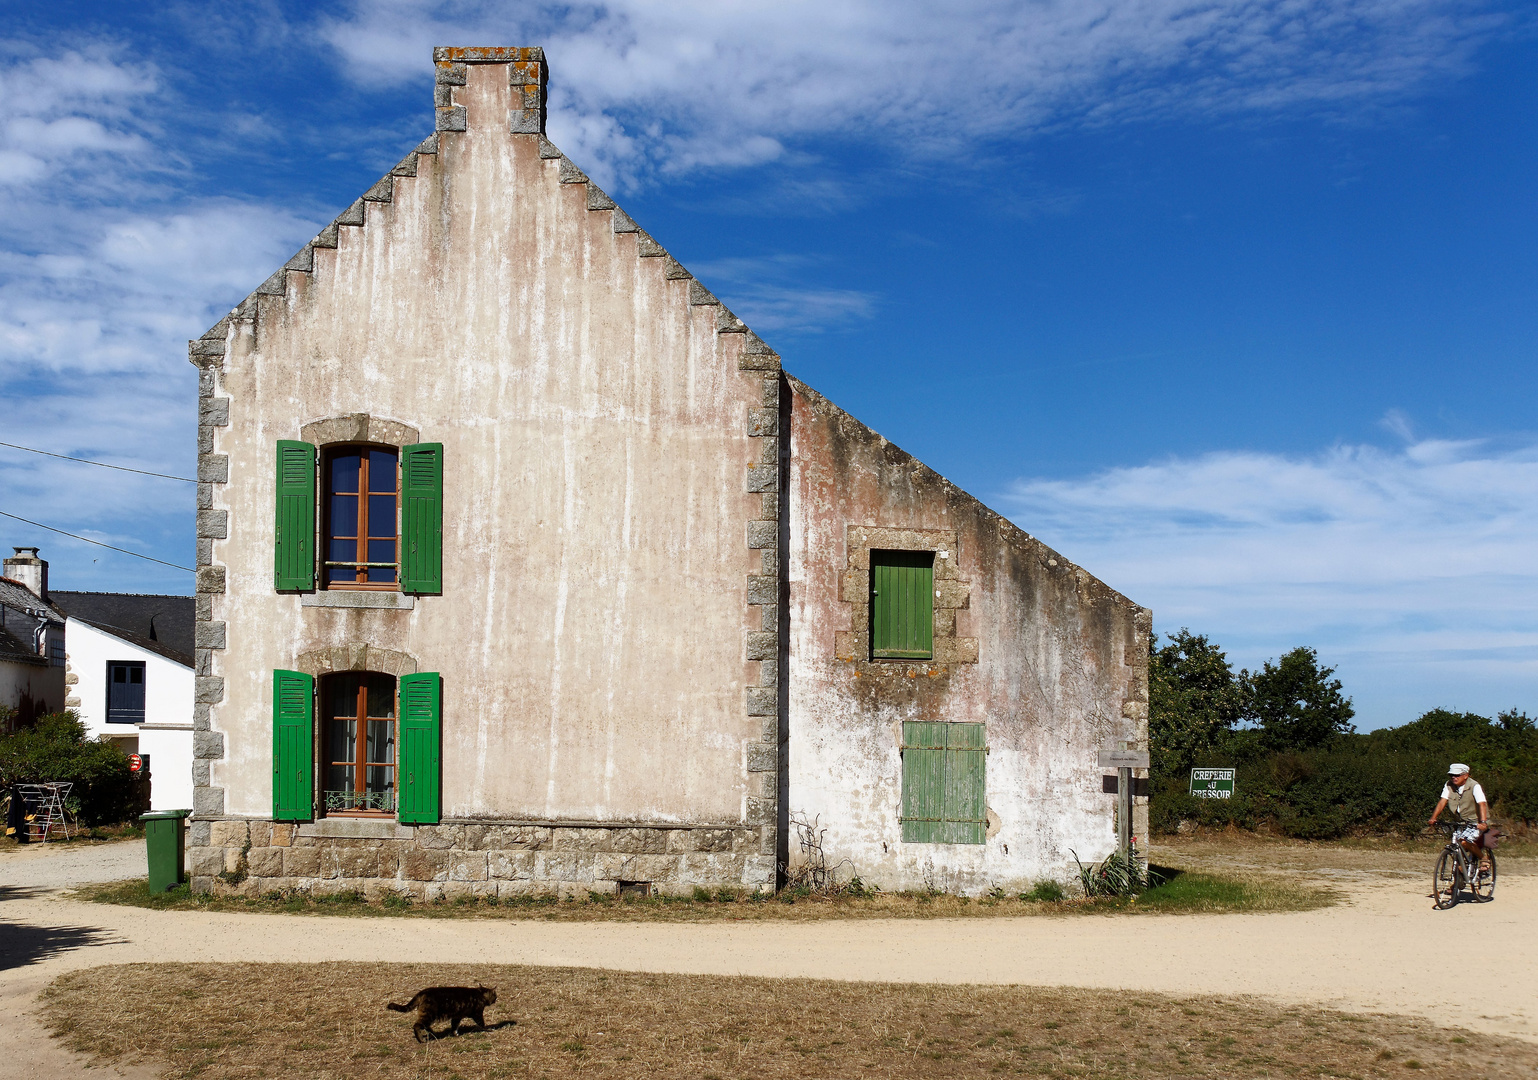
(1446, 880)
(1484, 881)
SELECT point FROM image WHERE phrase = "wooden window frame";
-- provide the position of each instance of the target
(326, 717)
(362, 539)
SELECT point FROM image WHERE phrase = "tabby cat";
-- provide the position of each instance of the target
(451, 1003)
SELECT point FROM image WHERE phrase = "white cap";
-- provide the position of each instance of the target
(1457, 768)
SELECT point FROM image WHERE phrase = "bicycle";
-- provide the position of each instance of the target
(1456, 873)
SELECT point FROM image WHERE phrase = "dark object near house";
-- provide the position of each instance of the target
(451, 1003)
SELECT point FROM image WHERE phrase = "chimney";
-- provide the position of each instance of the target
(526, 74)
(28, 569)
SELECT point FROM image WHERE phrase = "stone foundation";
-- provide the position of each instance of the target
(430, 862)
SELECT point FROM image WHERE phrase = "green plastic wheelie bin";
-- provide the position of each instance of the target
(165, 837)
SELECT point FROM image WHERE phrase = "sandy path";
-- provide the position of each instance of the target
(1382, 952)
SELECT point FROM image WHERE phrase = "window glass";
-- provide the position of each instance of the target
(125, 691)
(359, 526)
(359, 741)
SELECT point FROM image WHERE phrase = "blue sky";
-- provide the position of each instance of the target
(1234, 303)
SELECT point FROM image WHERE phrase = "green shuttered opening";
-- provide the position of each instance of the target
(293, 745)
(422, 518)
(902, 621)
(944, 799)
(294, 539)
(420, 769)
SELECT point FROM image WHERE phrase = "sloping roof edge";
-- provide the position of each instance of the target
(138, 640)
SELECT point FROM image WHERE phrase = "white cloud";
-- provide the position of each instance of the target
(1412, 569)
(643, 85)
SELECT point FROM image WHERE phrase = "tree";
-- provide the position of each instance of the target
(1193, 700)
(1296, 704)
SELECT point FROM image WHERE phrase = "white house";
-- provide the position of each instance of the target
(131, 678)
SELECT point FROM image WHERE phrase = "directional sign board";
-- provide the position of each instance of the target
(1124, 759)
(135, 762)
(1212, 783)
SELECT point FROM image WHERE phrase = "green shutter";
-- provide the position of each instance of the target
(293, 548)
(902, 622)
(923, 782)
(944, 796)
(422, 518)
(421, 736)
(966, 809)
(293, 745)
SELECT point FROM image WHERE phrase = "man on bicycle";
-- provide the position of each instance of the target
(1470, 810)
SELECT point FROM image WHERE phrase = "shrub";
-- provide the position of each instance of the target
(56, 749)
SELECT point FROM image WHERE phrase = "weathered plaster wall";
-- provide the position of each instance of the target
(1051, 660)
(596, 416)
(32, 689)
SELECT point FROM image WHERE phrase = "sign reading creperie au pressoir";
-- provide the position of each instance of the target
(1212, 783)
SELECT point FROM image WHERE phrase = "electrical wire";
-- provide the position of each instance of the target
(102, 464)
(98, 543)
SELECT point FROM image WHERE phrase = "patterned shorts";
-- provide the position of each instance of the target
(1467, 832)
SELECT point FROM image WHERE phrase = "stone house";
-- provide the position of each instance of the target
(523, 567)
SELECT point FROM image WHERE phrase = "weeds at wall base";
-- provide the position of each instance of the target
(1173, 892)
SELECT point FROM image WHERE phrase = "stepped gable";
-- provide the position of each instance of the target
(526, 69)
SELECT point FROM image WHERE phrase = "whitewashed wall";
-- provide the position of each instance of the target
(166, 734)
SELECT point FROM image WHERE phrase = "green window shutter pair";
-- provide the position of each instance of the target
(418, 766)
(421, 541)
(902, 620)
(944, 797)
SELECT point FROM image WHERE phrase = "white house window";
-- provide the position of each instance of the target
(125, 691)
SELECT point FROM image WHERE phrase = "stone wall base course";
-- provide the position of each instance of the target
(476, 860)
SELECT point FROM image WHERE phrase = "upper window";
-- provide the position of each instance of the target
(125, 691)
(380, 518)
(902, 620)
(359, 526)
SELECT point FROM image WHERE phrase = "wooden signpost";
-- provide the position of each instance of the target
(1123, 761)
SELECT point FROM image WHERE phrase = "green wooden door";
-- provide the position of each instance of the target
(422, 518)
(293, 745)
(419, 769)
(293, 549)
(902, 621)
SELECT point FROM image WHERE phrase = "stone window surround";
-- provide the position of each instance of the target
(952, 594)
(359, 427)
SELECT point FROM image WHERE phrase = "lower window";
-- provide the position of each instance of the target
(358, 740)
(944, 799)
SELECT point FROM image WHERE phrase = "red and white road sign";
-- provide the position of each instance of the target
(135, 762)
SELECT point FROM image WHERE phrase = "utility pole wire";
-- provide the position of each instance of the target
(103, 464)
(98, 543)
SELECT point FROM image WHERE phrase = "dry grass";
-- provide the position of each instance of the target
(1187, 892)
(328, 1020)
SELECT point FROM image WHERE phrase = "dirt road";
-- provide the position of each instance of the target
(1383, 951)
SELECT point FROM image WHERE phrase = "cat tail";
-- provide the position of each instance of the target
(403, 1008)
